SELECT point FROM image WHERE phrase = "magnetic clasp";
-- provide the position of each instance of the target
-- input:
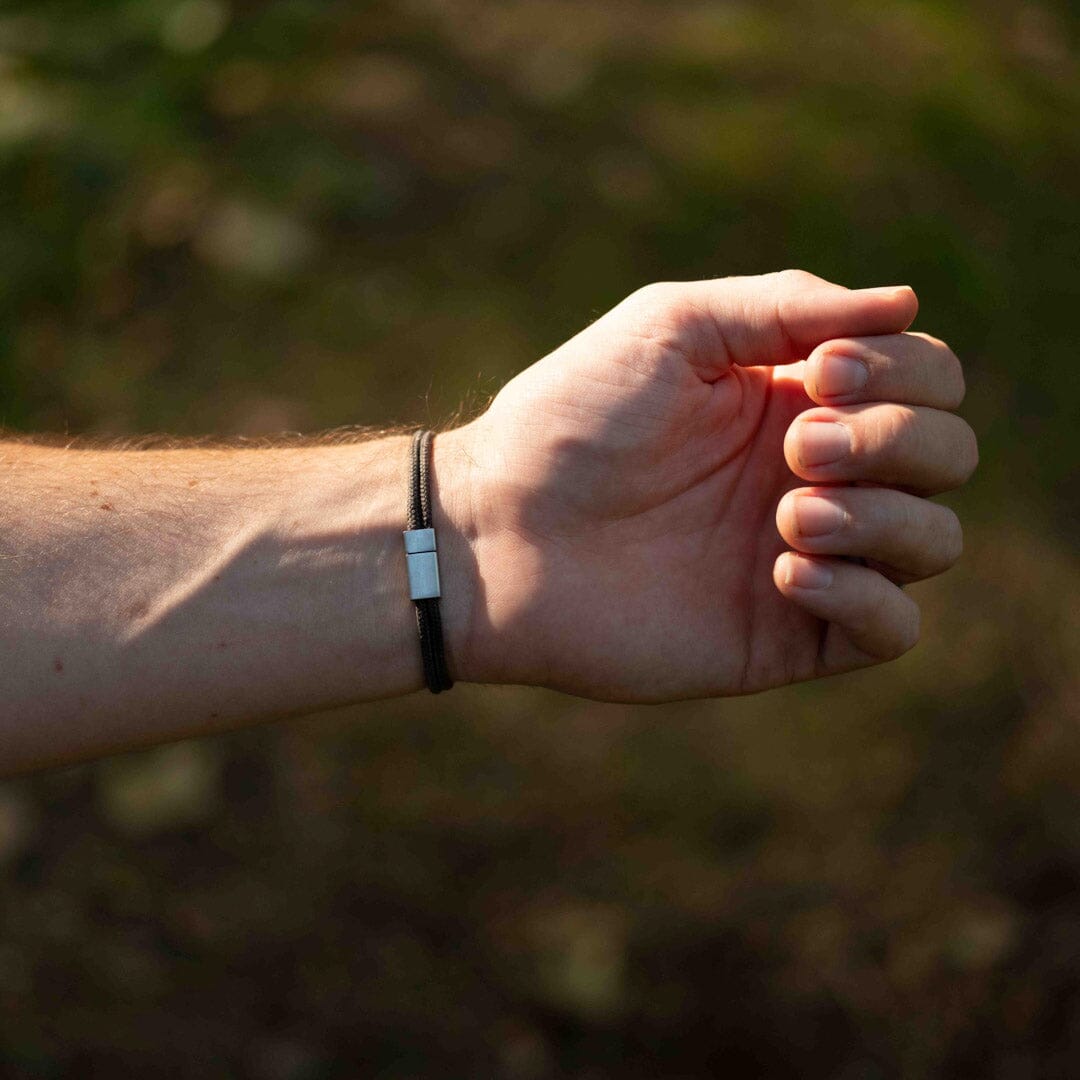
(423, 575)
(417, 540)
(423, 564)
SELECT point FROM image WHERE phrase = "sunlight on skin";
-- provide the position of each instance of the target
(627, 521)
(631, 481)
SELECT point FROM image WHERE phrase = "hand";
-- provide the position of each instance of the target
(716, 488)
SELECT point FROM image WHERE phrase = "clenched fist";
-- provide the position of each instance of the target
(718, 487)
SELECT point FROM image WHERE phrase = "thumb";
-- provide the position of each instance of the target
(783, 317)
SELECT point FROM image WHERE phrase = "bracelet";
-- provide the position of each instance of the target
(422, 559)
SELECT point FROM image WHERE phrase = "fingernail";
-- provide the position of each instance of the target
(839, 375)
(823, 442)
(807, 574)
(815, 516)
(887, 289)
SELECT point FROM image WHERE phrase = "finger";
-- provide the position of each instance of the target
(770, 319)
(911, 368)
(908, 446)
(780, 318)
(870, 619)
(913, 537)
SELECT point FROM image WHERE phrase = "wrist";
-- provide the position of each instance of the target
(488, 572)
(455, 504)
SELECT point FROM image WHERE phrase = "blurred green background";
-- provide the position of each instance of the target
(272, 215)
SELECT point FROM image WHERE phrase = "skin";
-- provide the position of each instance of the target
(645, 529)
(640, 516)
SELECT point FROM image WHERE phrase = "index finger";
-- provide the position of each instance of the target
(909, 369)
(759, 321)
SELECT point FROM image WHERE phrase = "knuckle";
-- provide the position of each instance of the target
(951, 538)
(910, 520)
(936, 344)
(941, 540)
(951, 376)
(922, 335)
(868, 515)
(898, 425)
(796, 279)
(945, 369)
(905, 631)
(967, 457)
(910, 629)
(959, 383)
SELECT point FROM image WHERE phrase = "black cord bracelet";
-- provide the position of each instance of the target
(423, 563)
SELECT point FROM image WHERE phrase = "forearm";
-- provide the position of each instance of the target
(151, 595)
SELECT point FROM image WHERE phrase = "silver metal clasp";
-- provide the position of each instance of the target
(423, 564)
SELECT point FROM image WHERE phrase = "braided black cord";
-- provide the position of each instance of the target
(428, 618)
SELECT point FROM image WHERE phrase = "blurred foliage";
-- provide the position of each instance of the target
(273, 214)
